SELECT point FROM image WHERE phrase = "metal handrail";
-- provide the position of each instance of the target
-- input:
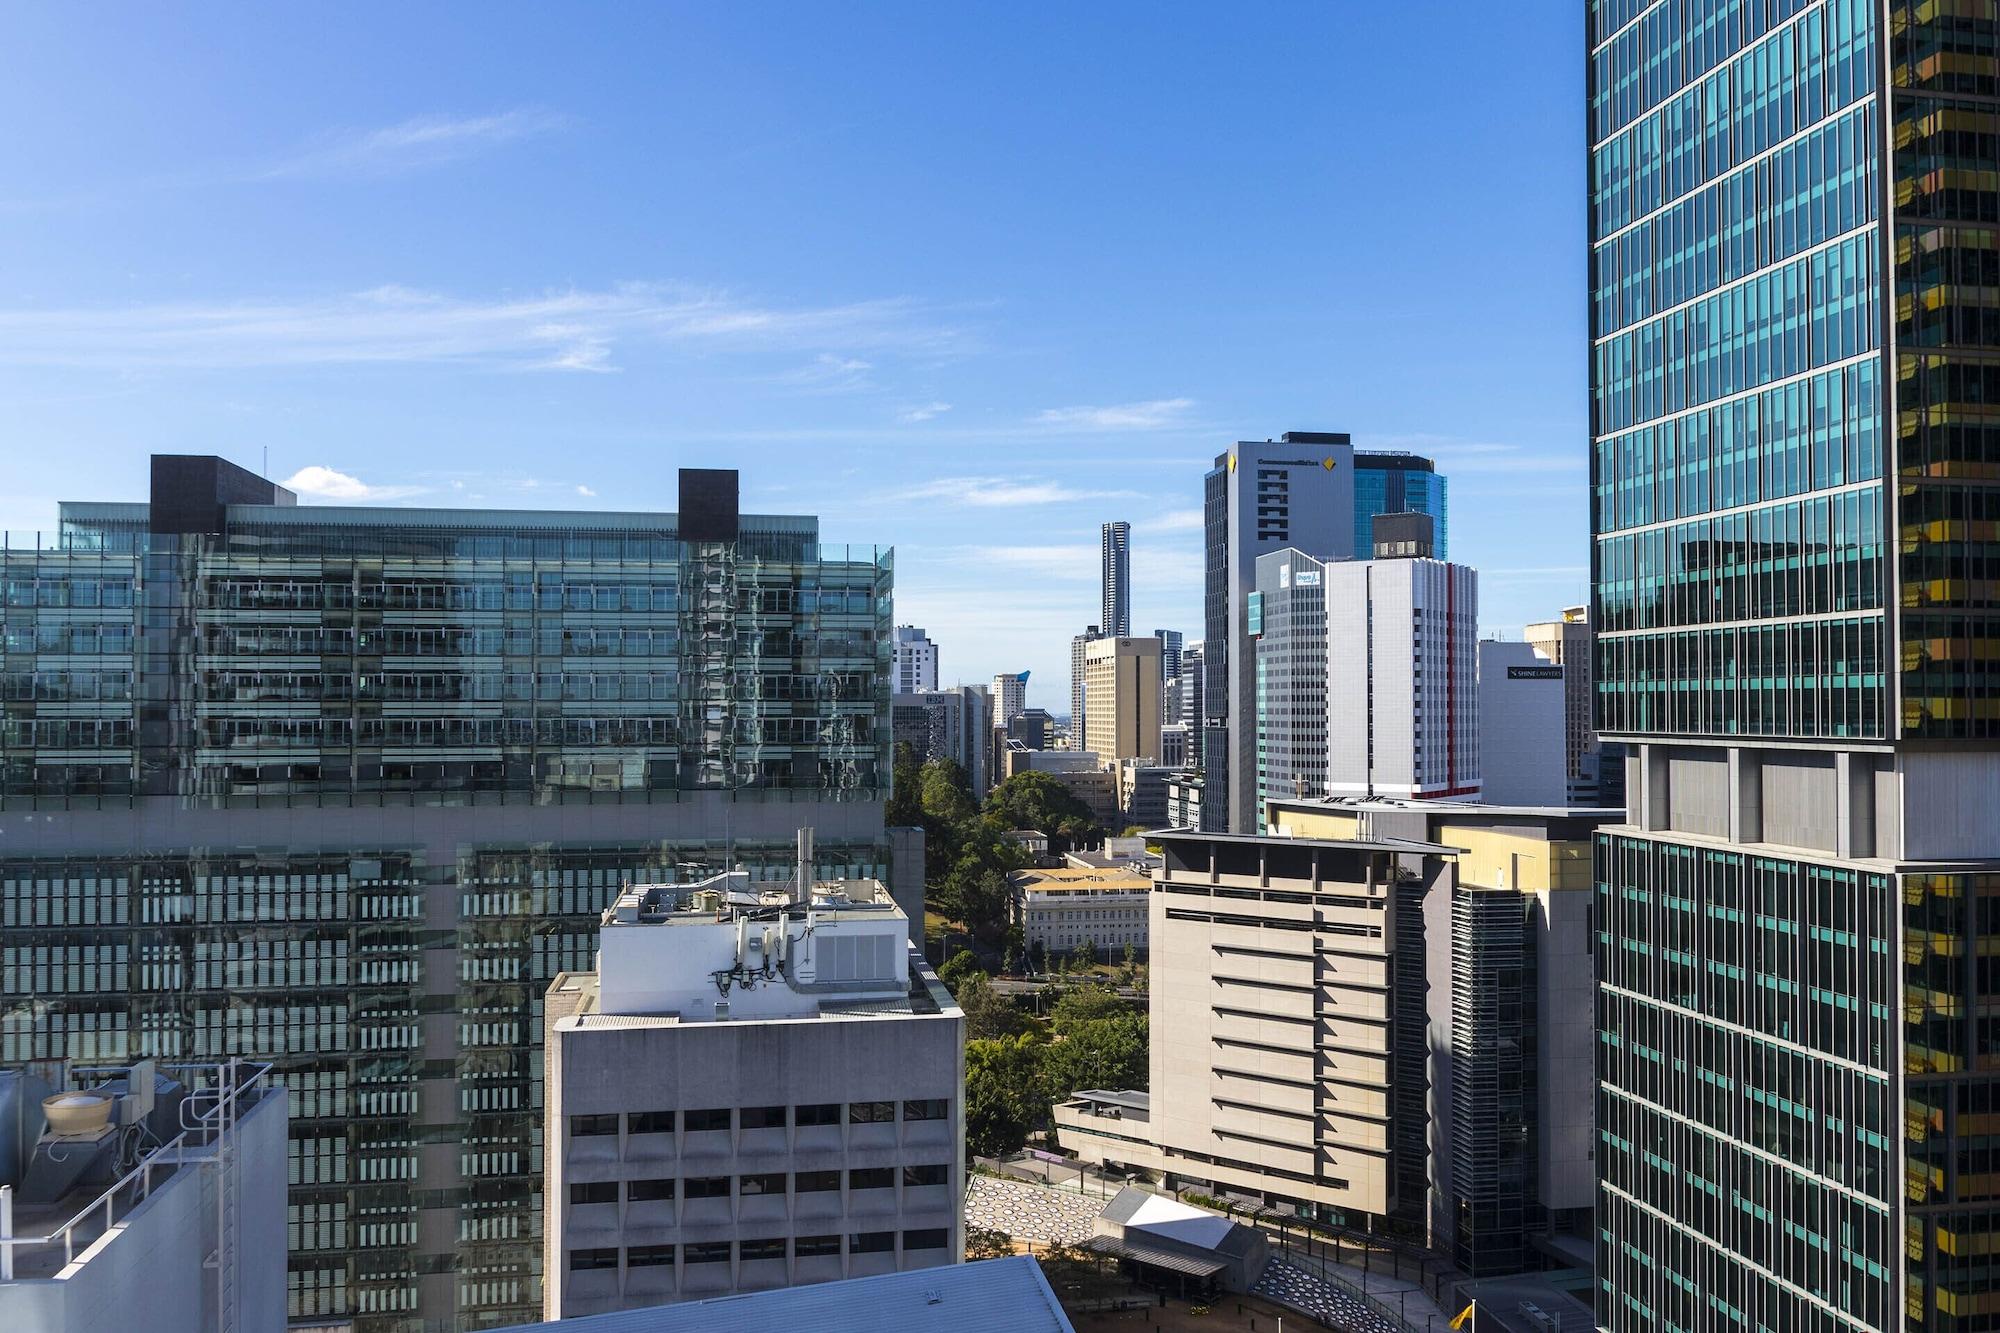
(232, 1080)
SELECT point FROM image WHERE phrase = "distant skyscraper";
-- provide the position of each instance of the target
(1076, 700)
(1121, 699)
(1297, 491)
(1010, 696)
(954, 724)
(1189, 686)
(1170, 652)
(1794, 447)
(1116, 540)
(916, 660)
(1396, 483)
(1566, 643)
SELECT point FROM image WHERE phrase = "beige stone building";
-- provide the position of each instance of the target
(1063, 908)
(1122, 698)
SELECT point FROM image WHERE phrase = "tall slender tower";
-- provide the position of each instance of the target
(1796, 518)
(1116, 543)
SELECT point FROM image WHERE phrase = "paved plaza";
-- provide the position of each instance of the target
(1289, 1285)
(1029, 1212)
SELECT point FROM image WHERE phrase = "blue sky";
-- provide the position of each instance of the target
(967, 280)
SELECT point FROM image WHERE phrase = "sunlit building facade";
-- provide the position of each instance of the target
(1796, 524)
(345, 788)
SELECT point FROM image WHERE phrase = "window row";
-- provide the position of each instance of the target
(748, 1251)
(1812, 312)
(722, 1119)
(754, 1185)
(1819, 679)
(1809, 435)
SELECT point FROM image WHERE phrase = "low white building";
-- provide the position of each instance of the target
(1521, 727)
(754, 1090)
(1063, 908)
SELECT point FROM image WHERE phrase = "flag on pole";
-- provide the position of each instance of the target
(1465, 1317)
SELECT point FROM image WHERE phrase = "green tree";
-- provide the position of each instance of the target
(1100, 1053)
(1005, 1096)
(988, 1014)
(905, 807)
(1086, 1004)
(957, 968)
(1039, 801)
(947, 794)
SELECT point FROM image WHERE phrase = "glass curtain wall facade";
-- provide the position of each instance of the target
(345, 789)
(1396, 483)
(1795, 218)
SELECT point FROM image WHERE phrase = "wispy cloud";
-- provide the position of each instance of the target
(1003, 492)
(925, 412)
(423, 141)
(829, 373)
(1150, 415)
(586, 492)
(1457, 455)
(324, 483)
(1173, 520)
(570, 330)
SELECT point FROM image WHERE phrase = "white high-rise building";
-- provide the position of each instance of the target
(916, 660)
(1366, 672)
(1010, 696)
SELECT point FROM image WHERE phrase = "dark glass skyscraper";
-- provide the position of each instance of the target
(1795, 268)
(344, 788)
(1397, 483)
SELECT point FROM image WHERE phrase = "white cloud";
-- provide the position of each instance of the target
(572, 330)
(324, 483)
(926, 412)
(830, 373)
(586, 492)
(1456, 455)
(1003, 492)
(1173, 520)
(1150, 415)
(419, 142)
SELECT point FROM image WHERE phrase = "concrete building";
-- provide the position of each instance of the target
(153, 1199)
(1176, 743)
(1298, 492)
(1184, 799)
(1010, 696)
(1079, 770)
(916, 660)
(1007, 1295)
(1596, 769)
(370, 775)
(1116, 852)
(1184, 696)
(1142, 792)
(1077, 647)
(1033, 728)
(1059, 910)
(753, 1090)
(1393, 1036)
(1121, 702)
(1521, 728)
(1116, 541)
(1389, 482)
(952, 724)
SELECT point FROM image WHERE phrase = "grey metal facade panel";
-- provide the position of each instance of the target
(992, 1296)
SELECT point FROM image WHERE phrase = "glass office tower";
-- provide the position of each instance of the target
(1795, 230)
(344, 788)
(1397, 483)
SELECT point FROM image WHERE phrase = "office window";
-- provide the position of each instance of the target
(650, 1122)
(816, 1247)
(698, 1122)
(937, 1174)
(871, 1178)
(772, 1183)
(762, 1249)
(818, 1113)
(584, 1260)
(812, 1182)
(708, 1252)
(763, 1117)
(648, 1191)
(929, 1108)
(871, 1242)
(708, 1187)
(649, 1256)
(592, 1126)
(594, 1191)
(926, 1238)
(870, 1113)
